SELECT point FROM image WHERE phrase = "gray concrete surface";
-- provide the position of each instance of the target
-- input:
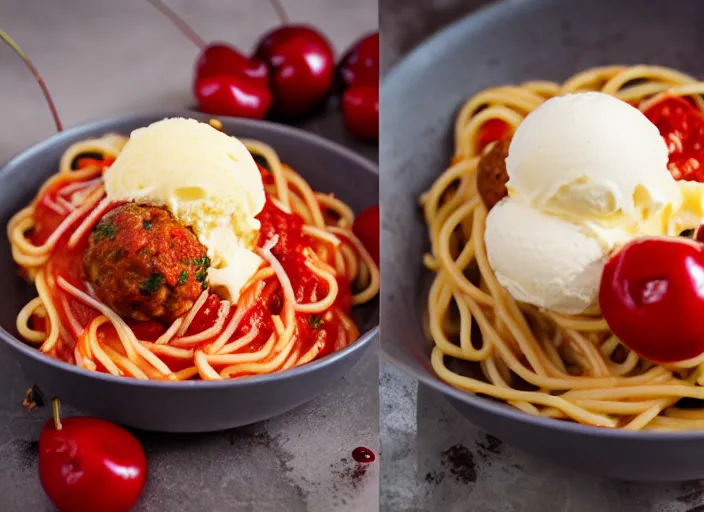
(101, 58)
(434, 460)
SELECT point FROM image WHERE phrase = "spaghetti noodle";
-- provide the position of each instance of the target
(541, 362)
(295, 309)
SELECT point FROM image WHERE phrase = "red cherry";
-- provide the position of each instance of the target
(232, 96)
(221, 59)
(360, 108)
(652, 297)
(91, 464)
(274, 38)
(366, 228)
(301, 67)
(360, 65)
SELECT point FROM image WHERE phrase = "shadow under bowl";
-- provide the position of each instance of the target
(511, 42)
(191, 406)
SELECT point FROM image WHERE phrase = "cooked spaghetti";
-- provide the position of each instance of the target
(295, 309)
(544, 363)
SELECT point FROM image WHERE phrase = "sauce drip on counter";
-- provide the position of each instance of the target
(363, 455)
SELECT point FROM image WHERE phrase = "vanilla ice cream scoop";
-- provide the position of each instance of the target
(589, 154)
(543, 260)
(205, 177)
(208, 180)
(587, 173)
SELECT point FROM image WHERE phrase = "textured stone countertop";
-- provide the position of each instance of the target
(102, 58)
(434, 460)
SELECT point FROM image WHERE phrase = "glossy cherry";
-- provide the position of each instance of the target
(652, 297)
(301, 68)
(229, 95)
(276, 37)
(243, 94)
(88, 464)
(360, 109)
(221, 59)
(360, 65)
(366, 228)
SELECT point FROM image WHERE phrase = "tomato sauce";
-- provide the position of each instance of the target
(307, 287)
(63, 262)
(325, 330)
(681, 124)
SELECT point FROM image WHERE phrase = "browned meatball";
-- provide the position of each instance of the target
(145, 265)
(492, 175)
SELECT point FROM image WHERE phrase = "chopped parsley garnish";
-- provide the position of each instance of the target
(201, 271)
(202, 278)
(147, 224)
(104, 230)
(201, 262)
(182, 277)
(152, 284)
(315, 321)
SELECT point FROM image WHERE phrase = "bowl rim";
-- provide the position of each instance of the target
(95, 125)
(404, 70)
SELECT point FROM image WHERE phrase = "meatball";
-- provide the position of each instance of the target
(145, 265)
(492, 175)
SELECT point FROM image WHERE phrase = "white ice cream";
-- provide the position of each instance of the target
(587, 172)
(208, 180)
(589, 155)
(541, 259)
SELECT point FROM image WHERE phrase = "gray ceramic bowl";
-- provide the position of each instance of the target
(510, 42)
(192, 406)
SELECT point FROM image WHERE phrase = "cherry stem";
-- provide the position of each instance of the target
(179, 22)
(280, 11)
(15, 47)
(56, 412)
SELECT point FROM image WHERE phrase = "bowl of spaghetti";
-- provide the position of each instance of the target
(117, 305)
(517, 358)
